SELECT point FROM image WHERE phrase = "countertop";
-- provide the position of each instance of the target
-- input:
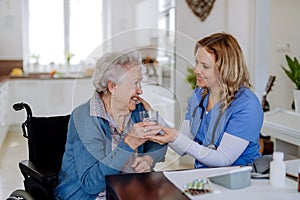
(47, 76)
(3, 78)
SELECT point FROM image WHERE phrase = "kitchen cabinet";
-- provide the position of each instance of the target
(48, 97)
(3, 110)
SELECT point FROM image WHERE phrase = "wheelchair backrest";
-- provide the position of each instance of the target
(46, 141)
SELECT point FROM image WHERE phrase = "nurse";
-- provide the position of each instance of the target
(223, 117)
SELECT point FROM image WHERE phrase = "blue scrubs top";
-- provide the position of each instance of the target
(243, 118)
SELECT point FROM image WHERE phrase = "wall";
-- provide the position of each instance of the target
(122, 22)
(11, 29)
(284, 29)
(262, 44)
(240, 18)
(146, 16)
(131, 23)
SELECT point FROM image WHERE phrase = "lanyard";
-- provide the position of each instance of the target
(211, 145)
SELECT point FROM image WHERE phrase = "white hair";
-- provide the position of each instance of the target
(112, 66)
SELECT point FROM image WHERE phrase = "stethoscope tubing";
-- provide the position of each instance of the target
(211, 145)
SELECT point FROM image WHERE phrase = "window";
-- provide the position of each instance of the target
(61, 28)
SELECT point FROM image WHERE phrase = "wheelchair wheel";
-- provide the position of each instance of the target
(20, 195)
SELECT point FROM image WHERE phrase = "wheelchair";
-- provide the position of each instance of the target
(46, 145)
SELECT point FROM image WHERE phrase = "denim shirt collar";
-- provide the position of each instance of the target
(98, 110)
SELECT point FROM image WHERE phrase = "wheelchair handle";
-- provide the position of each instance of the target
(20, 106)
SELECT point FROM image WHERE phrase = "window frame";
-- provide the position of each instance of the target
(66, 34)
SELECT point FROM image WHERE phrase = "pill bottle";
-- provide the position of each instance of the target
(277, 170)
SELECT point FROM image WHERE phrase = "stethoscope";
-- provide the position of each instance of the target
(211, 145)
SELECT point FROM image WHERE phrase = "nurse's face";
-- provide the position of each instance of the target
(206, 72)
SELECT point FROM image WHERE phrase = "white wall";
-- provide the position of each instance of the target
(120, 22)
(262, 43)
(240, 18)
(130, 24)
(284, 29)
(11, 30)
(146, 17)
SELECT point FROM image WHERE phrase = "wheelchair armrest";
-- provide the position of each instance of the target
(29, 169)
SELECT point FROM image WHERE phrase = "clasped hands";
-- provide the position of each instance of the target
(142, 164)
(139, 131)
(143, 131)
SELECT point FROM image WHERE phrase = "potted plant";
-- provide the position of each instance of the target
(36, 58)
(191, 77)
(294, 74)
(68, 57)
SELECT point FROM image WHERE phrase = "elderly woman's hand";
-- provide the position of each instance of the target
(137, 134)
(169, 135)
(142, 164)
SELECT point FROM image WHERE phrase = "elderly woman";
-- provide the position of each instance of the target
(105, 134)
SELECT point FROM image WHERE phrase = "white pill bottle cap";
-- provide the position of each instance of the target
(278, 156)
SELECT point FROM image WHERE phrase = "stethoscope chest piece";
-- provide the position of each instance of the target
(212, 146)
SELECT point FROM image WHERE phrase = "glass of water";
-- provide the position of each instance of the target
(149, 116)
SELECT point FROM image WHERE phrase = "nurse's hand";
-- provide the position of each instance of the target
(169, 135)
(137, 133)
(145, 104)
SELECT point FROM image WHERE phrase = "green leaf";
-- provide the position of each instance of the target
(191, 77)
(294, 70)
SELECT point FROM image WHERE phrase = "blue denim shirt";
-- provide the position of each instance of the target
(89, 156)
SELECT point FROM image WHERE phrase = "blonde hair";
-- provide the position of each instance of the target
(229, 61)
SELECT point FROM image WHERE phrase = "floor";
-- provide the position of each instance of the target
(14, 149)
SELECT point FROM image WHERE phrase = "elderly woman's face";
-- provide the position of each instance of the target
(128, 88)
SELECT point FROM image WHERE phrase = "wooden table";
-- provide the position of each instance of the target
(142, 186)
(162, 186)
